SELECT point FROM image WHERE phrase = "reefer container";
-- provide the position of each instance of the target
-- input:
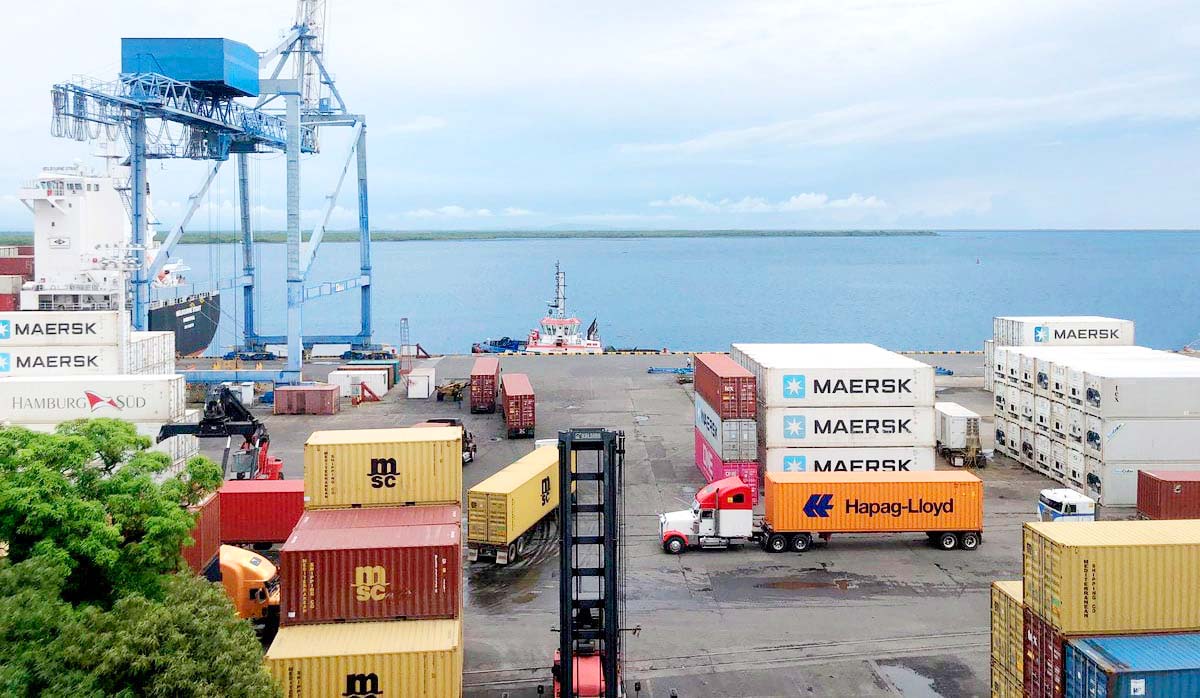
(1130, 666)
(1041, 413)
(713, 467)
(989, 364)
(317, 398)
(1008, 627)
(54, 399)
(150, 352)
(381, 573)
(1075, 465)
(727, 387)
(61, 361)
(485, 384)
(383, 467)
(849, 460)
(388, 373)
(1115, 483)
(948, 505)
(348, 382)
(504, 509)
(421, 382)
(260, 511)
(1142, 440)
(518, 403)
(732, 439)
(956, 427)
(784, 427)
(835, 375)
(1080, 577)
(1072, 330)
(1163, 389)
(1042, 454)
(1027, 405)
(1058, 419)
(59, 328)
(206, 534)
(391, 659)
(1168, 494)
(1001, 430)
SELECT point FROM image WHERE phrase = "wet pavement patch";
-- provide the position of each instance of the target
(930, 677)
(803, 585)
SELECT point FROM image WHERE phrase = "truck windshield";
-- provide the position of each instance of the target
(1050, 503)
(695, 506)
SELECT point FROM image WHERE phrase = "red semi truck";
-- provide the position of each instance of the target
(485, 384)
(520, 414)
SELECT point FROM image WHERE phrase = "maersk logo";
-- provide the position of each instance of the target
(795, 464)
(5, 329)
(794, 428)
(793, 386)
(5, 361)
(1041, 333)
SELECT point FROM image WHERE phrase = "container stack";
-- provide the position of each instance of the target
(840, 408)
(726, 431)
(371, 576)
(1008, 639)
(1111, 608)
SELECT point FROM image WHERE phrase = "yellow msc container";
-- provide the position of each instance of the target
(409, 658)
(1114, 577)
(1008, 627)
(1005, 685)
(507, 505)
(383, 467)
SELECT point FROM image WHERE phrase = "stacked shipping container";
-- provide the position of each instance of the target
(1008, 634)
(726, 429)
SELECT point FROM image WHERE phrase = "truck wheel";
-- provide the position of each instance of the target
(512, 553)
(947, 541)
(801, 542)
(675, 545)
(777, 543)
(969, 540)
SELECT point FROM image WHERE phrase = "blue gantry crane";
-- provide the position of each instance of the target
(193, 85)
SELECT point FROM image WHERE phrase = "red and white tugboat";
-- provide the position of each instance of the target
(559, 334)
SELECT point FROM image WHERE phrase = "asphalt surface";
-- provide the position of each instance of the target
(863, 616)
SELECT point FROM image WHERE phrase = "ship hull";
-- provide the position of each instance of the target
(193, 320)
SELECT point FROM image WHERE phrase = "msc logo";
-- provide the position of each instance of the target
(1041, 333)
(794, 386)
(545, 490)
(362, 686)
(383, 472)
(5, 329)
(795, 464)
(370, 583)
(794, 427)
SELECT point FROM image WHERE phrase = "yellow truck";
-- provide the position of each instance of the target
(504, 510)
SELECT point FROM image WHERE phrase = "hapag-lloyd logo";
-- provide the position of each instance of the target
(90, 401)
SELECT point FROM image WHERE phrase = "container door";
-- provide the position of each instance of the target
(477, 517)
(497, 519)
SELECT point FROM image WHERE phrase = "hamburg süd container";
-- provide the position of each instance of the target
(727, 387)
(712, 467)
(58, 328)
(383, 467)
(846, 426)
(206, 535)
(1168, 494)
(849, 460)
(954, 425)
(518, 403)
(1113, 577)
(1132, 666)
(485, 384)
(1058, 330)
(260, 511)
(835, 375)
(874, 502)
(381, 573)
(1008, 628)
(732, 439)
(389, 659)
(507, 506)
(54, 399)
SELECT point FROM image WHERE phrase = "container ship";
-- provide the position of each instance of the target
(82, 254)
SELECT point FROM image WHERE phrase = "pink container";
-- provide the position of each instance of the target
(710, 465)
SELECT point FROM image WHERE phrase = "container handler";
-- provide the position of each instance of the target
(468, 439)
(504, 511)
(225, 417)
(946, 506)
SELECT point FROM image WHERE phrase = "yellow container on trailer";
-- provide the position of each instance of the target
(506, 505)
(1114, 577)
(383, 467)
(1008, 627)
(409, 658)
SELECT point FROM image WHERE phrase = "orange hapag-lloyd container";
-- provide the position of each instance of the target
(873, 502)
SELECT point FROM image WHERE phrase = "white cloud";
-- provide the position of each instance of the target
(517, 211)
(684, 201)
(808, 201)
(456, 211)
(418, 124)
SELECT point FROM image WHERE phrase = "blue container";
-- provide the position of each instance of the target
(226, 67)
(1133, 666)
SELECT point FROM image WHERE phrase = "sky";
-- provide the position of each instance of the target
(840, 114)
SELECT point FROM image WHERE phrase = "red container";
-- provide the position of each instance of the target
(377, 573)
(260, 511)
(17, 266)
(25, 250)
(710, 465)
(485, 380)
(206, 534)
(726, 386)
(375, 517)
(307, 399)
(1168, 494)
(520, 414)
(10, 301)
(1043, 658)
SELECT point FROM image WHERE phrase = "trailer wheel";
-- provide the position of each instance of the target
(512, 553)
(675, 545)
(801, 542)
(969, 540)
(947, 541)
(777, 543)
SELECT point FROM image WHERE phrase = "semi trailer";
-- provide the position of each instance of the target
(504, 510)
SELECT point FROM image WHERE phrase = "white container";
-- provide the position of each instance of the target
(1165, 388)
(954, 424)
(999, 398)
(1058, 419)
(150, 352)
(60, 361)
(1013, 402)
(52, 328)
(732, 439)
(1075, 466)
(835, 375)
(989, 364)
(348, 382)
(422, 382)
(1114, 484)
(1042, 452)
(1075, 424)
(1026, 402)
(849, 460)
(857, 427)
(1000, 430)
(54, 399)
(1072, 330)
(244, 391)
(1058, 458)
(1041, 413)
(1026, 449)
(1142, 440)
(11, 284)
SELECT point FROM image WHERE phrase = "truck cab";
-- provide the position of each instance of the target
(721, 515)
(1065, 505)
(468, 439)
(251, 582)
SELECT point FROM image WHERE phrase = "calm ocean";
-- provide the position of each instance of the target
(703, 293)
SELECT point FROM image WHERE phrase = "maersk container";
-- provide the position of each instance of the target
(205, 535)
(1058, 419)
(386, 572)
(1013, 402)
(1148, 389)
(390, 659)
(1027, 406)
(790, 427)
(59, 328)
(1073, 330)
(1168, 494)
(712, 467)
(732, 439)
(61, 361)
(989, 364)
(730, 389)
(383, 467)
(1113, 577)
(1142, 440)
(1075, 425)
(850, 460)
(150, 352)
(260, 511)
(1129, 666)
(954, 425)
(1058, 458)
(1078, 365)
(1041, 452)
(1027, 446)
(937, 501)
(1041, 413)
(1000, 430)
(1114, 483)
(485, 384)
(55, 399)
(1008, 627)
(835, 375)
(1075, 465)
(519, 405)
(504, 509)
